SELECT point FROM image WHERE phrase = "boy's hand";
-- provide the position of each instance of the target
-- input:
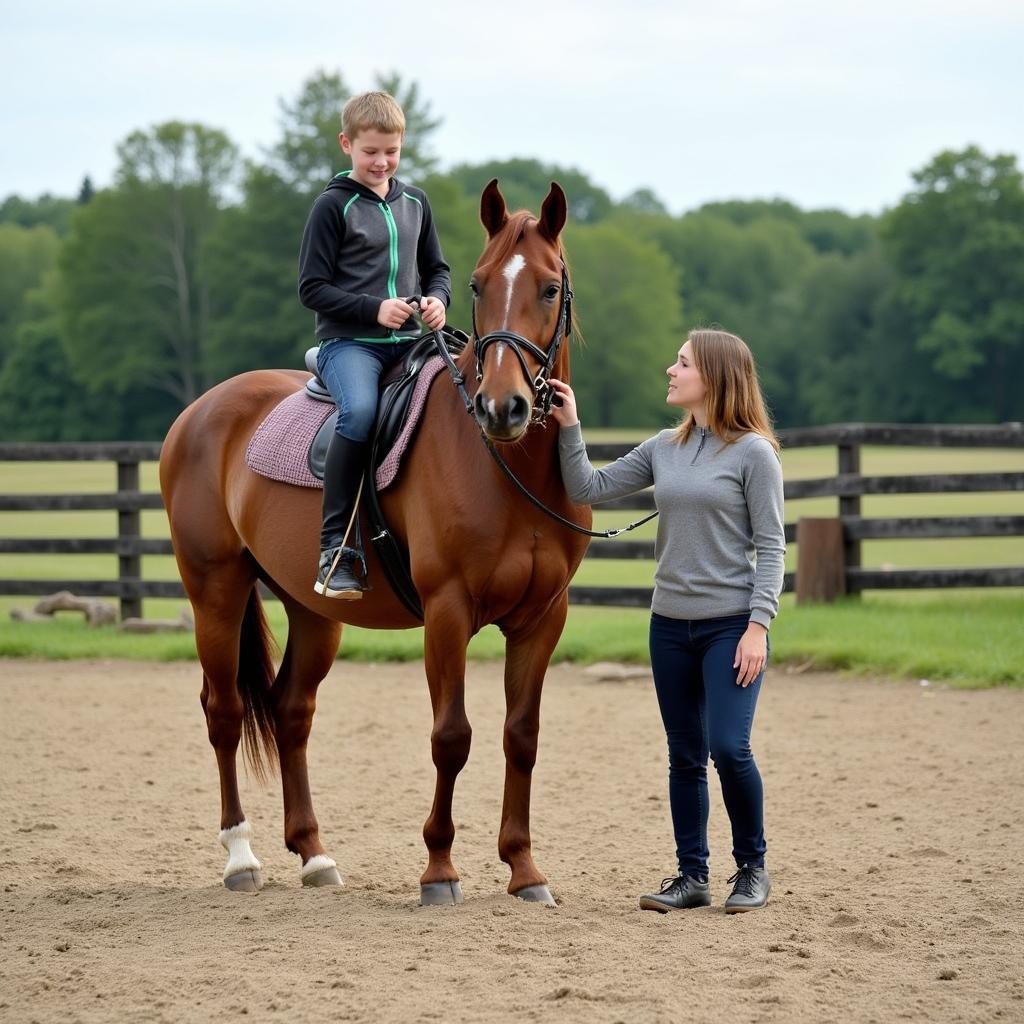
(393, 313)
(432, 312)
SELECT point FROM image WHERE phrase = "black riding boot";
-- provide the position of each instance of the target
(340, 548)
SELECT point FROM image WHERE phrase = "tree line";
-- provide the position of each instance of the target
(121, 305)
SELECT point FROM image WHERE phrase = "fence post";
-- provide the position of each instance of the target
(129, 527)
(820, 572)
(849, 505)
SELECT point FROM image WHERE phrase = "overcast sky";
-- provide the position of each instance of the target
(827, 104)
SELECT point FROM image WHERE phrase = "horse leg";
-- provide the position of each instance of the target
(309, 654)
(227, 616)
(526, 660)
(446, 635)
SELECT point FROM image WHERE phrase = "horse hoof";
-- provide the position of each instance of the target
(325, 876)
(441, 894)
(536, 894)
(245, 881)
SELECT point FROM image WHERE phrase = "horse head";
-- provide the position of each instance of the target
(521, 312)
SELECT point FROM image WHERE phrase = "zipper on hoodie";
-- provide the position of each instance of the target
(700, 447)
(389, 219)
(392, 248)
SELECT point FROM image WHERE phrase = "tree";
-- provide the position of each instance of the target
(627, 304)
(134, 306)
(248, 263)
(844, 370)
(39, 398)
(745, 278)
(52, 211)
(826, 230)
(26, 254)
(643, 200)
(956, 243)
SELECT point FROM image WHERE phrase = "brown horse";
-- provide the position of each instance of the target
(480, 554)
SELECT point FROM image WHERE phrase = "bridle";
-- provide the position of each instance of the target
(543, 393)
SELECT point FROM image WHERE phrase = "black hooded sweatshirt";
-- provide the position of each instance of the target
(358, 250)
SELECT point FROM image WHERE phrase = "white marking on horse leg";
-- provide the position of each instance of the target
(317, 863)
(510, 272)
(240, 856)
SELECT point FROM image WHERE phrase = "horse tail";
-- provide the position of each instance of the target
(255, 681)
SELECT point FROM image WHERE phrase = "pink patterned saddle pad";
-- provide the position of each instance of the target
(279, 449)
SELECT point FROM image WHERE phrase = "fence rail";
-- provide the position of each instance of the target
(848, 485)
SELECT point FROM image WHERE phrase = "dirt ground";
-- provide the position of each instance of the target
(893, 819)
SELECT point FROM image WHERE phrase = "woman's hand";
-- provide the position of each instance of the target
(432, 312)
(563, 409)
(751, 654)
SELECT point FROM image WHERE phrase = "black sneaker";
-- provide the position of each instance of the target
(679, 893)
(336, 576)
(750, 889)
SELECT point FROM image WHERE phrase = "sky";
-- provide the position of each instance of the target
(826, 104)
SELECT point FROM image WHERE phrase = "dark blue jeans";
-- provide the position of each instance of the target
(706, 712)
(351, 371)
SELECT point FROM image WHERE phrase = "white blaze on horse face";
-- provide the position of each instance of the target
(510, 272)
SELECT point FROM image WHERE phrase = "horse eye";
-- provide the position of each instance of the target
(474, 288)
(551, 292)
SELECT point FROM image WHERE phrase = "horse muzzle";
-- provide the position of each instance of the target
(504, 419)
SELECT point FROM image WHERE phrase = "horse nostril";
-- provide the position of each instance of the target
(479, 408)
(518, 410)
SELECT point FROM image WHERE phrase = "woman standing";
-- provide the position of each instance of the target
(718, 486)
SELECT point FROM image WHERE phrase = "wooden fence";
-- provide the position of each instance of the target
(848, 485)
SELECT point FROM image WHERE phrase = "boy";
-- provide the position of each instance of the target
(369, 239)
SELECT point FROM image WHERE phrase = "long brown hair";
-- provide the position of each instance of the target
(734, 403)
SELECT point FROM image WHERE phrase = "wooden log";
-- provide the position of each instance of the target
(821, 569)
(184, 623)
(97, 613)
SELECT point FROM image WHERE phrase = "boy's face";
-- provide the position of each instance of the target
(375, 156)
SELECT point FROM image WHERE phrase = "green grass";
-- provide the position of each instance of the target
(961, 638)
(964, 637)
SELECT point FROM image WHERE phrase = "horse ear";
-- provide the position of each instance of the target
(493, 212)
(553, 213)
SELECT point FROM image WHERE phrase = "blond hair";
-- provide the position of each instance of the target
(733, 399)
(372, 111)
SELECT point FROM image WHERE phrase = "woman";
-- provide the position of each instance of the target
(718, 486)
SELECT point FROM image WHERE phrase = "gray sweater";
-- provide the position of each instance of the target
(721, 544)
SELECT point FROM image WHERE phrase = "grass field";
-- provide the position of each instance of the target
(967, 637)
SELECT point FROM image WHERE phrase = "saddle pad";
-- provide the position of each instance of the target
(279, 449)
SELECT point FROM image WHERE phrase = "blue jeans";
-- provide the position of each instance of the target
(351, 371)
(705, 712)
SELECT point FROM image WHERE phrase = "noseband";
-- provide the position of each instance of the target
(543, 393)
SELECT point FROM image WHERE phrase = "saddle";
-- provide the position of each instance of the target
(404, 388)
(396, 394)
